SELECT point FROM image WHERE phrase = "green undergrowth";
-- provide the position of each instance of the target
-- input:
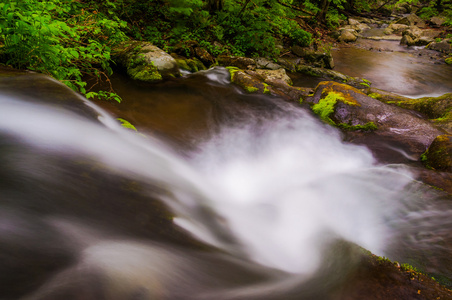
(61, 38)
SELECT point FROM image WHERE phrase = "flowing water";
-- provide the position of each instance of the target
(268, 202)
(389, 66)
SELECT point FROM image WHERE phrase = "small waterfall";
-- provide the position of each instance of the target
(274, 194)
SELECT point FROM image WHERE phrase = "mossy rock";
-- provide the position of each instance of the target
(437, 109)
(448, 60)
(190, 64)
(145, 62)
(439, 155)
(348, 108)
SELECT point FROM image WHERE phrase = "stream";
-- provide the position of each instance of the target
(268, 201)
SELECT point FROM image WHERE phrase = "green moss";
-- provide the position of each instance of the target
(232, 71)
(183, 64)
(369, 126)
(375, 95)
(266, 90)
(449, 60)
(325, 107)
(250, 89)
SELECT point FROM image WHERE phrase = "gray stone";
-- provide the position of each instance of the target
(264, 63)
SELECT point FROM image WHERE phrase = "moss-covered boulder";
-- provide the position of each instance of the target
(437, 109)
(439, 155)
(145, 62)
(188, 64)
(349, 108)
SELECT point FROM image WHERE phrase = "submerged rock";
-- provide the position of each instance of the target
(145, 62)
(350, 109)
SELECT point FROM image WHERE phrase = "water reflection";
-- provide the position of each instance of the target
(405, 73)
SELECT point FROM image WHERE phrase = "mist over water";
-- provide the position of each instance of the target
(289, 187)
(274, 192)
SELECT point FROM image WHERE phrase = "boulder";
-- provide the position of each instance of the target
(188, 64)
(412, 20)
(437, 21)
(264, 63)
(236, 61)
(333, 75)
(439, 155)
(437, 109)
(350, 109)
(316, 58)
(410, 36)
(395, 29)
(444, 46)
(274, 77)
(145, 62)
(204, 56)
(348, 36)
(272, 82)
(353, 21)
(414, 36)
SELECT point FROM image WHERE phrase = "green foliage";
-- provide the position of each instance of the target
(58, 38)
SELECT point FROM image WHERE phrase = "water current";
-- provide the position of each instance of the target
(268, 202)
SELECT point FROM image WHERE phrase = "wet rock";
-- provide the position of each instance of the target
(188, 64)
(350, 109)
(353, 21)
(272, 82)
(437, 21)
(333, 75)
(411, 36)
(437, 109)
(444, 46)
(348, 36)
(264, 63)
(439, 155)
(274, 77)
(145, 62)
(320, 59)
(412, 20)
(395, 29)
(204, 56)
(236, 61)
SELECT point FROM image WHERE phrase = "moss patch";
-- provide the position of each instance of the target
(449, 60)
(439, 155)
(326, 106)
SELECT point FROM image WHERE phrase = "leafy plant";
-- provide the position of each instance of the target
(59, 38)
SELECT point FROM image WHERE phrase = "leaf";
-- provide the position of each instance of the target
(74, 53)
